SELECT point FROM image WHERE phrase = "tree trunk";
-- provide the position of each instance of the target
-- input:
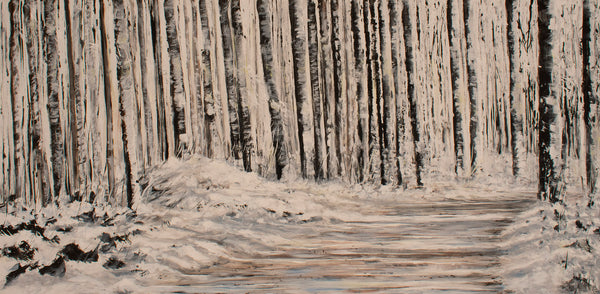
(327, 90)
(516, 123)
(548, 182)
(359, 61)
(303, 101)
(119, 170)
(340, 103)
(313, 53)
(243, 108)
(210, 103)
(230, 79)
(590, 102)
(388, 99)
(166, 127)
(38, 175)
(458, 115)
(126, 93)
(17, 153)
(373, 89)
(95, 107)
(395, 67)
(75, 105)
(149, 89)
(177, 91)
(474, 120)
(56, 132)
(264, 14)
(416, 132)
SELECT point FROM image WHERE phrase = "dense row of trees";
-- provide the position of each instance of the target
(387, 91)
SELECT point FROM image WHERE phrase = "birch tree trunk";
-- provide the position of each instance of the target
(548, 181)
(317, 99)
(472, 82)
(264, 13)
(416, 132)
(326, 87)
(303, 101)
(56, 145)
(388, 99)
(516, 125)
(460, 105)
(591, 106)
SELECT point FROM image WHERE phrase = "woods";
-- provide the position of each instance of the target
(376, 91)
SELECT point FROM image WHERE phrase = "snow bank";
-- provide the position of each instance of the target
(200, 218)
(553, 249)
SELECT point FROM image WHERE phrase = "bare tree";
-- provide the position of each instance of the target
(547, 176)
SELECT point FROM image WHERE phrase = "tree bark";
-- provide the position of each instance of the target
(303, 101)
(126, 93)
(313, 52)
(264, 14)
(338, 75)
(471, 78)
(37, 169)
(56, 132)
(416, 132)
(243, 107)
(395, 67)
(360, 58)
(210, 103)
(75, 105)
(388, 99)
(327, 88)
(548, 182)
(589, 100)
(458, 116)
(516, 124)
(17, 97)
(177, 91)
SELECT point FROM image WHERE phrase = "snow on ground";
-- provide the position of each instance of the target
(553, 248)
(205, 226)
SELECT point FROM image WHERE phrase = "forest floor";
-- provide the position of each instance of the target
(204, 226)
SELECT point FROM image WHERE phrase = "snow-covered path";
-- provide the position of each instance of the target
(206, 227)
(451, 246)
(248, 234)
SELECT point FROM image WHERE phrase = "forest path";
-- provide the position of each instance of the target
(451, 245)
